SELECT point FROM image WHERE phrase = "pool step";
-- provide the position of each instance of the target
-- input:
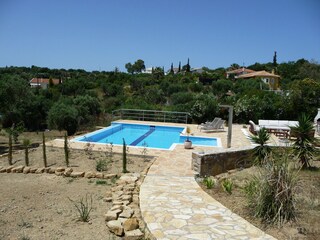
(138, 140)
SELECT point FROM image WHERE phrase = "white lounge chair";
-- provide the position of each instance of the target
(208, 124)
(218, 126)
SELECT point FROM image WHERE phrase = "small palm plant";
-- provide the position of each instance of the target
(262, 150)
(303, 146)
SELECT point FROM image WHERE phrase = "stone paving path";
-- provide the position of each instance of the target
(175, 207)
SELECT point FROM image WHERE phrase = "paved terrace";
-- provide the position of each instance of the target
(175, 207)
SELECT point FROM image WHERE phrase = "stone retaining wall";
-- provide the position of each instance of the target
(214, 163)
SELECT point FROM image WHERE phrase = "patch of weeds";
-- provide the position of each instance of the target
(88, 149)
(274, 196)
(144, 151)
(227, 185)
(101, 182)
(114, 179)
(24, 224)
(208, 182)
(83, 207)
(101, 165)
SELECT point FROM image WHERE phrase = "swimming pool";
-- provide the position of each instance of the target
(141, 135)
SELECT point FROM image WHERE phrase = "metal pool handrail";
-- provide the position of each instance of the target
(151, 115)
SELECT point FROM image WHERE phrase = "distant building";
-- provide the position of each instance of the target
(148, 70)
(43, 82)
(271, 79)
(197, 70)
(238, 72)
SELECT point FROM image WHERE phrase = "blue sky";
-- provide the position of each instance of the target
(104, 34)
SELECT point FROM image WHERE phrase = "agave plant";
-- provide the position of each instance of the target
(262, 150)
(303, 146)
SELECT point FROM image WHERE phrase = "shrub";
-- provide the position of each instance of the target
(271, 194)
(227, 185)
(101, 182)
(83, 207)
(208, 182)
(101, 165)
(303, 146)
(262, 150)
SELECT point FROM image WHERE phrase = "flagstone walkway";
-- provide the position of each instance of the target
(175, 207)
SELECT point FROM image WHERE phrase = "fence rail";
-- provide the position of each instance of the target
(151, 115)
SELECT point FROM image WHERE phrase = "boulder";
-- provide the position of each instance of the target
(127, 197)
(111, 215)
(126, 213)
(33, 170)
(89, 175)
(17, 169)
(47, 169)
(133, 235)
(131, 224)
(67, 172)
(109, 176)
(116, 207)
(26, 170)
(115, 227)
(117, 188)
(40, 170)
(60, 169)
(77, 174)
(107, 199)
(3, 169)
(99, 175)
(51, 170)
(9, 168)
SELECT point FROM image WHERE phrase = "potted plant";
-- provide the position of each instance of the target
(187, 142)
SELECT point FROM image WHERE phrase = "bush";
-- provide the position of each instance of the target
(101, 165)
(262, 150)
(271, 194)
(209, 182)
(63, 116)
(84, 208)
(227, 185)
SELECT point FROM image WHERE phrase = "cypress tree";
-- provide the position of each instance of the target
(10, 148)
(275, 64)
(44, 150)
(124, 157)
(171, 70)
(179, 69)
(188, 66)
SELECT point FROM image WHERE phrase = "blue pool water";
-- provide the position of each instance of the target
(162, 137)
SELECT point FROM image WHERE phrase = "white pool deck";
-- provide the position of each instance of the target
(171, 201)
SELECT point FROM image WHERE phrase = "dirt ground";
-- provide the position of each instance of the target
(37, 206)
(308, 204)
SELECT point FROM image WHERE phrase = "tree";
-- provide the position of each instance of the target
(171, 69)
(138, 66)
(129, 68)
(275, 64)
(63, 116)
(26, 144)
(186, 67)
(179, 69)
